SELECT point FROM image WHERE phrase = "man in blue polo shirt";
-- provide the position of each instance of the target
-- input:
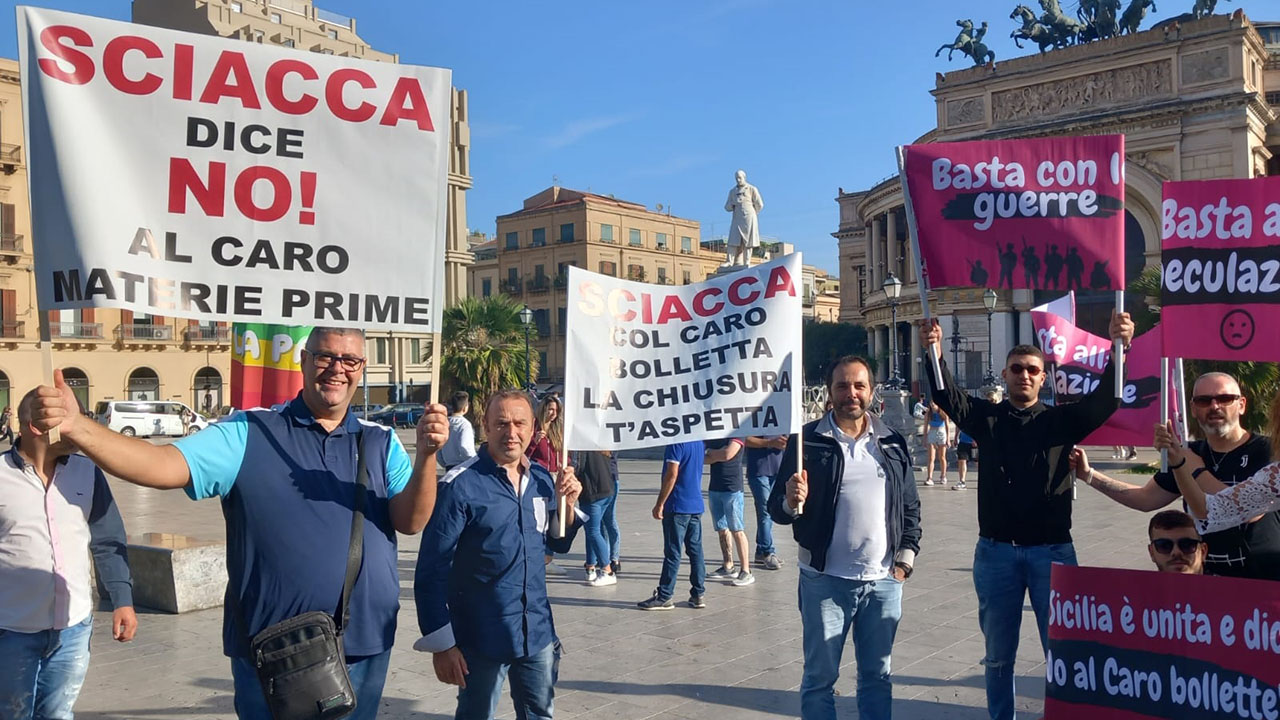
(480, 584)
(680, 508)
(287, 479)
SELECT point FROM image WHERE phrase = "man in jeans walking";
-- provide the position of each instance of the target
(764, 459)
(1024, 494)
(859, 533)
(680, 508)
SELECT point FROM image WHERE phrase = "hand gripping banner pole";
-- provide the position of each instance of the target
(922, 272)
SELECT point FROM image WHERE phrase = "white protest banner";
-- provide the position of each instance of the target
(201, 177)
(652, 364)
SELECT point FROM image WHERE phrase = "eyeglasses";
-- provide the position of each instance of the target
(1204, 401)
(1030, 370)
(1188, 546)
(323, 360)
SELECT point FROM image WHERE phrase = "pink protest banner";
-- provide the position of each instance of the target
(1221, 280)
(1079, 357)
(1042, 213)
(1135, 644)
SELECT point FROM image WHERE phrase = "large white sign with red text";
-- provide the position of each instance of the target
(201, 177)
(653, 364)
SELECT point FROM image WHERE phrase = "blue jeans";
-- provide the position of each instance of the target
(368, 674)
(598, 554)
(681, 529)
(760, 489)
(611, 524)
(41, 672)
(828, 607)
(533, 685)
(1003, 574)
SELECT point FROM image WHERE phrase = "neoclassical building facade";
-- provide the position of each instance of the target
(1195, 100)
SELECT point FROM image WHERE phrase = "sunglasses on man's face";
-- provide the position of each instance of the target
(1188, 546)
(1204, 401)
(1031, 370)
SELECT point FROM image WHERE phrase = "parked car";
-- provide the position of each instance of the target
(398, 415)
(147, 418)
(364, 411)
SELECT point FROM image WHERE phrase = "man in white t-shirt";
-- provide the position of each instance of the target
(462, 437)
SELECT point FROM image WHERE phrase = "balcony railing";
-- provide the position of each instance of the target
(544, 331)
(565, 240)
(512, 287)
(10, 154)
(635, 275)
(562, 281)
(662, 280)
(145, 333)
(10, 243)
(76, 331)
(539, 284)
(12, 329)
(206, 334)
(686, 251)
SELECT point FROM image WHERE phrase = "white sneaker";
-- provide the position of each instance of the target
(744, 578)
(929, 481)
(603, 580)
(959, 486)
(592, 574)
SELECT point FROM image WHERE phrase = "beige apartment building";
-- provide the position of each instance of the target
(399, 363)
(559, 227)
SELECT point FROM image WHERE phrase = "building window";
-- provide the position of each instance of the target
(288, 43)
(542, 364)
(513, 276)
(635, 272)
(635, 238)
(686, 278)
(415, 352)
(566, 233)
(686, 245)
(662, 276)
(542, 321)
(608, 267)
(539, 237)
(237, 7)
(513, 241)
(380, 351)
(275, 18)
(486, 287)
(606, 233)
(259, 36)
(661, 239)
(333, 34)
(562, 320)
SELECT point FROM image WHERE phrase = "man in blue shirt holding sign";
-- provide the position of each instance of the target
(287, 479)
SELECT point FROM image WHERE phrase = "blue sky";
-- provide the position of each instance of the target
(661, 101)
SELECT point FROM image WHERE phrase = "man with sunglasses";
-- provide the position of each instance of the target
(1024, 493)
(1175, 545)
(287, 480)
(1233, 455)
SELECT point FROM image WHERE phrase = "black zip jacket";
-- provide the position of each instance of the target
(1024, 477)
(824, 462)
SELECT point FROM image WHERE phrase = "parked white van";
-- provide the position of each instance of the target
(147, 418)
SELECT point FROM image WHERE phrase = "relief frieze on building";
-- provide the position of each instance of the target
(1205, 66)
(1109, 87)
(966, 111)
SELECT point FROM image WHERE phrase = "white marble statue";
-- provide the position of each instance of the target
(744, 230)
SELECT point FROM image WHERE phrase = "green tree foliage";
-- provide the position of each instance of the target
(483, 348)
(1259, 381)
(824, 342)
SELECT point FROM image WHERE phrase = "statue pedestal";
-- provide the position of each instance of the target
(897, 416)
(726, 269)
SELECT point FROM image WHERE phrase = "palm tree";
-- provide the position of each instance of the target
(483, 348)
(1259, 381)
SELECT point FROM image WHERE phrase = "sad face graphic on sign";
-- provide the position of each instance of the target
(1237, 329)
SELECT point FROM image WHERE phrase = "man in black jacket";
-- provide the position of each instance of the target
(1024, 494)
(856, 515)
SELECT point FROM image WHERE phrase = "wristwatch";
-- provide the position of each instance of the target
(906, 569)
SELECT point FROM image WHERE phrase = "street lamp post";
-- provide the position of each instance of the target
(955, 344)
(989, 299)
(892, 289)
(526, 317)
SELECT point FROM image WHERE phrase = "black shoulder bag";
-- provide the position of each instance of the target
(300, 661)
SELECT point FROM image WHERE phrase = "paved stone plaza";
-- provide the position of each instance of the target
(739, 658)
